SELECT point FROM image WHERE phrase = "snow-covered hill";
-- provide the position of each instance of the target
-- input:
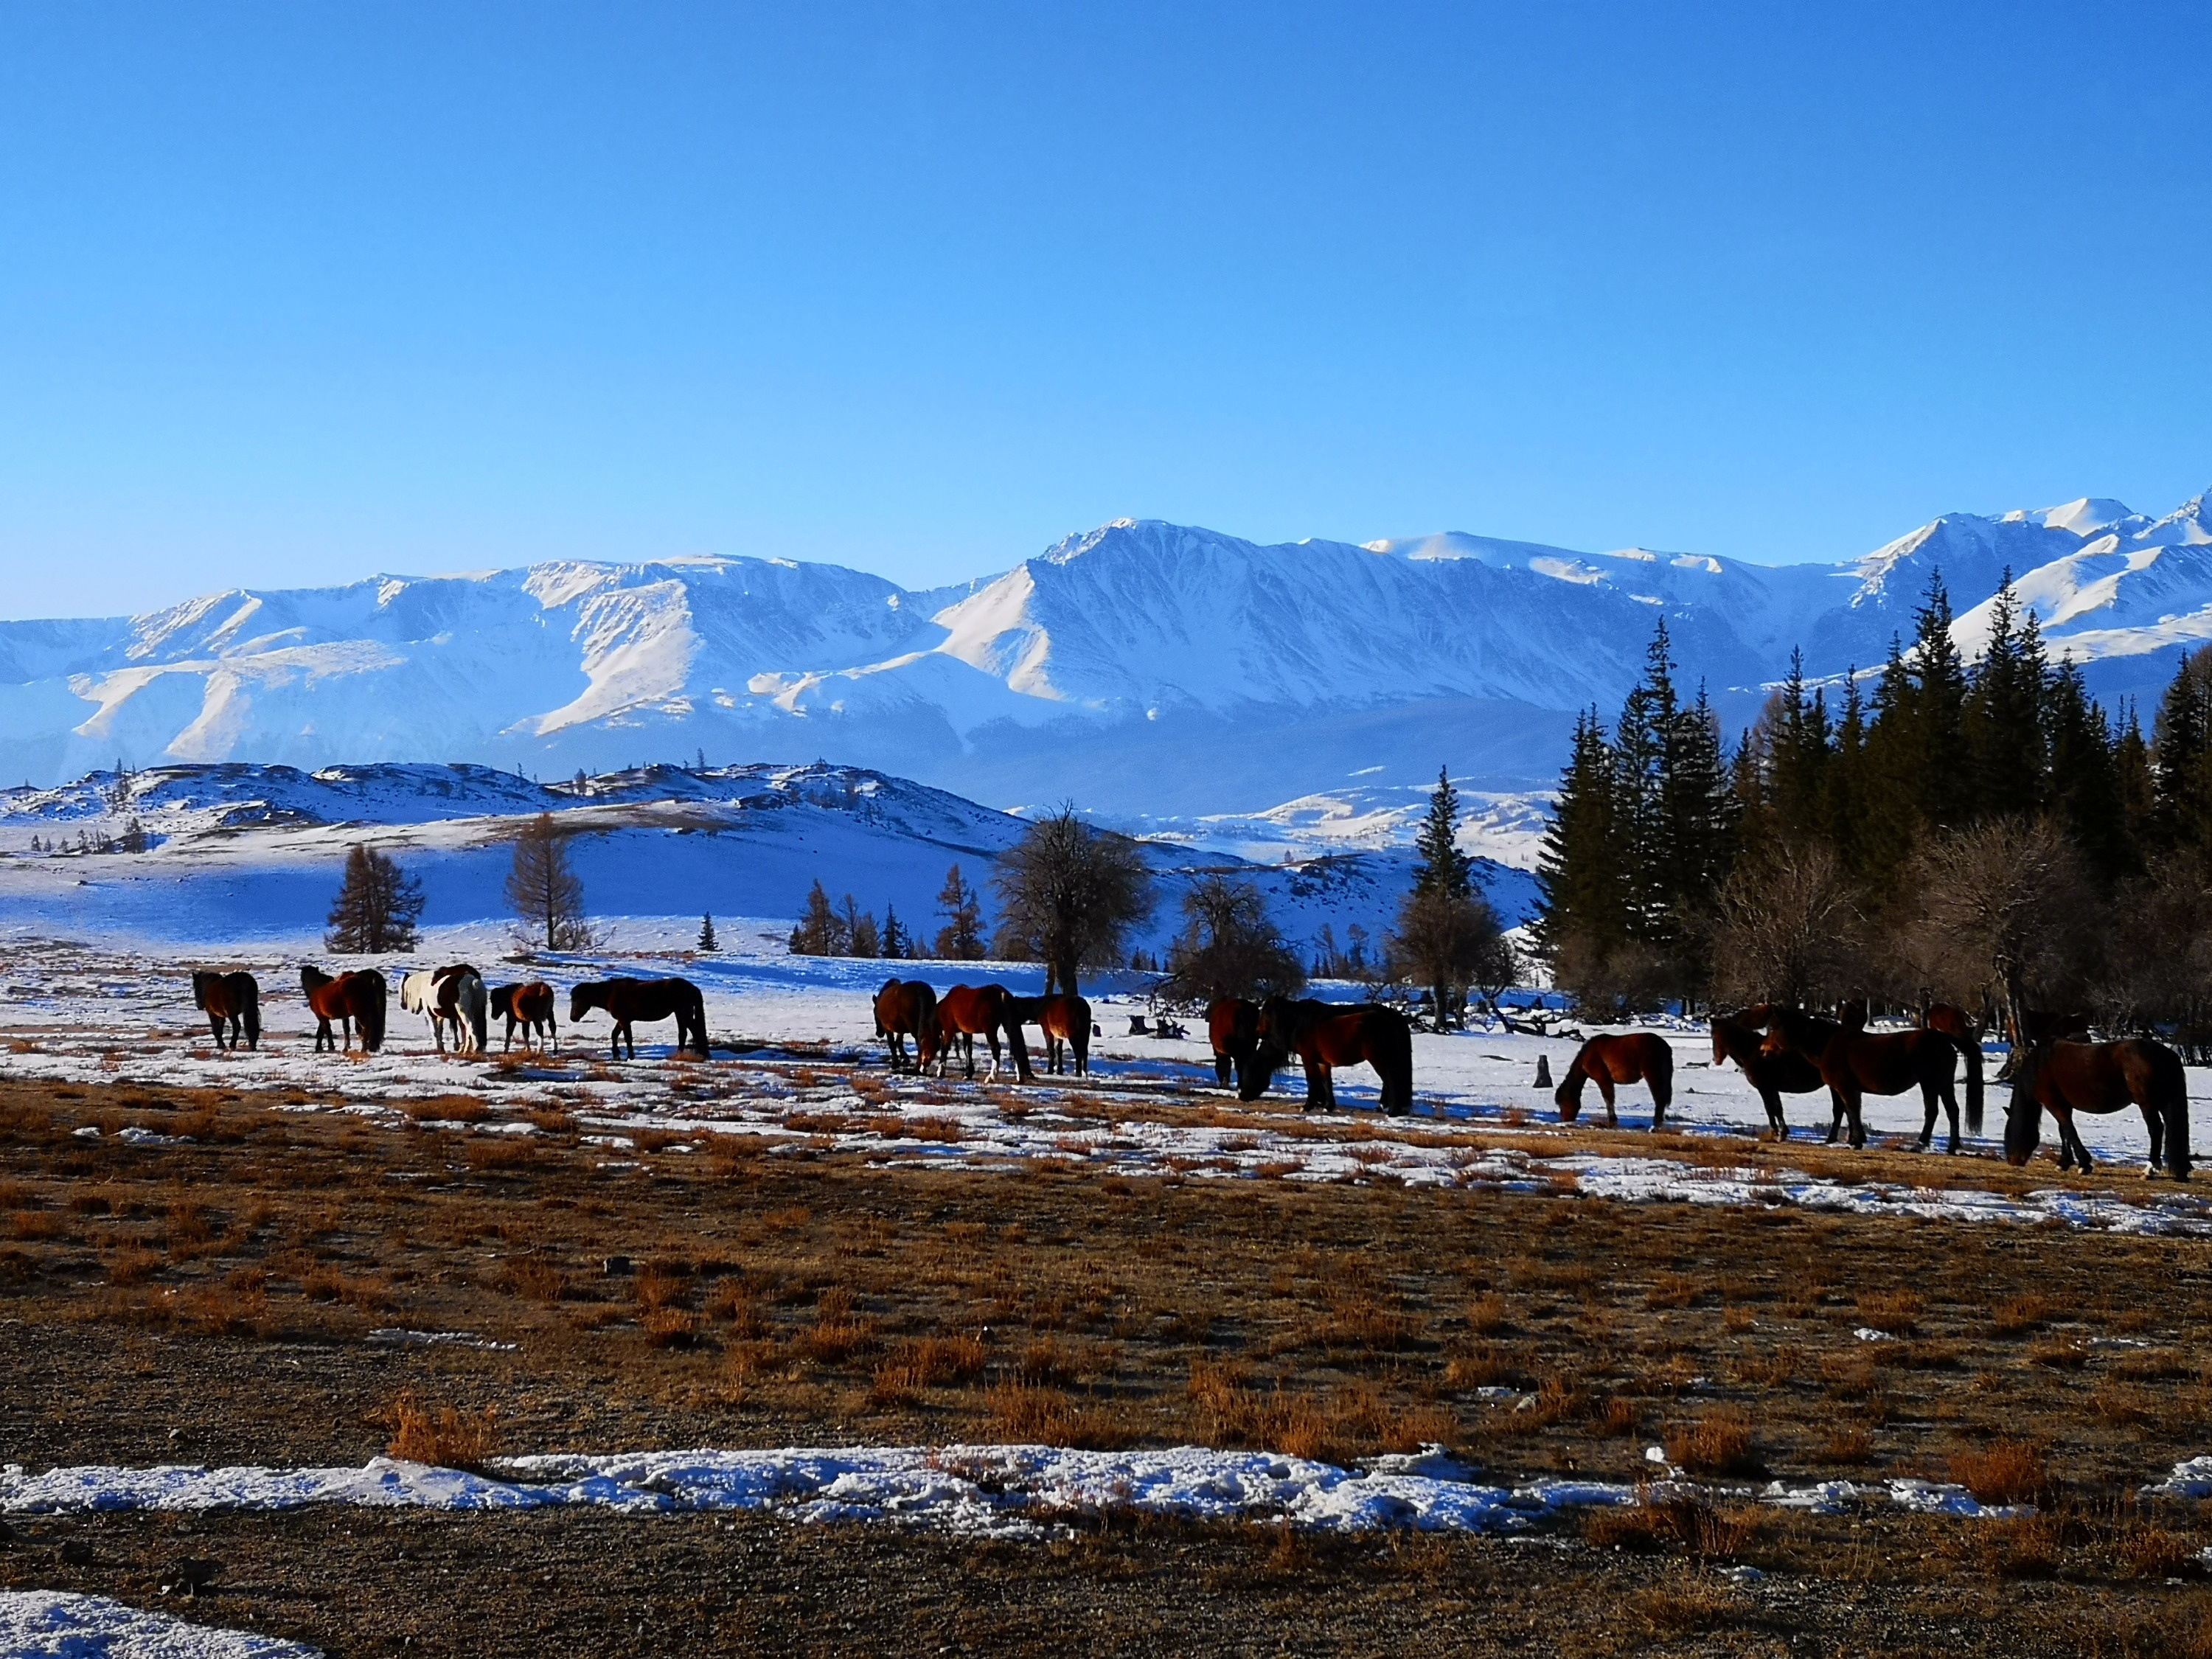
(240, 852)
(1140, 668)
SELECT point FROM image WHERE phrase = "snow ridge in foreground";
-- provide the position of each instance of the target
(1002, 1491)
(56, 1624)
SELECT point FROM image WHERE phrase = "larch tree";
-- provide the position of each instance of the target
(961, 938)
(545, 891)
(377, 906)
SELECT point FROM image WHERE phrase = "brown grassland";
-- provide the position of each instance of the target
(211, 1303)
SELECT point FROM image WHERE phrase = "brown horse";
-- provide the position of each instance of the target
(1772, 1075)
(1232, 1026)
(1957, 1024)
(1854, 1065)
(232, 1002)
(627, 1000)
(1066, 1023)
(354, 999)
(906, 1008)
(2101, 1076)
(1638, 1057)
(1325, 1036)
(967, 1011)
(530, 1005)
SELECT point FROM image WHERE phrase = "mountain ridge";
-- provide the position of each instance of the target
(1140, 665)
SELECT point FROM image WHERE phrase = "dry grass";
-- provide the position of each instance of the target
(445, 1435)
(1897, 1312)
(1720, 1443)
(1685, 1523)
(2007, 1471)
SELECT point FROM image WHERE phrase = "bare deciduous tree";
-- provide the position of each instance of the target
(1447, 941)
(2004, 911)
(1070, 894)
(1788, 929)
(1228, 947)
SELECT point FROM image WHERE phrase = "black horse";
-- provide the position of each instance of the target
(232, 1003)
(628, 999)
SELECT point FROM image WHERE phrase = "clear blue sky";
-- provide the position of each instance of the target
(301, 292)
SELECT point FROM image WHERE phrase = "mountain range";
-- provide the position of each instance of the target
(1143, 668)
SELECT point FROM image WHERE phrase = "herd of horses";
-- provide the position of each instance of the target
(1790, 1051)
(350, 1007)
(1780, 1050)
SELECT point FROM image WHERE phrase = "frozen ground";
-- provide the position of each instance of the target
(786, 1028)
(983, 1491)
(57, 1625)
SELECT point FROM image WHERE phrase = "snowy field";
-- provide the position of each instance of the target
(787, 1030)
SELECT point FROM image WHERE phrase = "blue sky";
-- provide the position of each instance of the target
(299, 293)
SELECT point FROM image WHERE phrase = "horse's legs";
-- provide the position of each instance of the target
(216, 1026)
(2157, 1131)
(1853, 1099)
(1771, 1099)
(991, 1036)
(1604, 1080)
(1221, 1068)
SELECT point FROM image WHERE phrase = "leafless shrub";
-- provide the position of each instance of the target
(444, 1435)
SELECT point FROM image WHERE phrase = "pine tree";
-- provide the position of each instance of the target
(545, 891)
(2138, 791)
(1441, 866)
(2085, 789)
(1891, 822)
(1843, 791)
(821, 930)
(2181, 746)
(1700, 813)
(1641, 745)
(708, 942)
(895, 944)
(377, 906)
(961, 938)
(860, 936)
(1944, 789)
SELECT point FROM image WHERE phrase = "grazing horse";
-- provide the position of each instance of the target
(354, 999)
(232, 1002)
(1957, 1024)
(967, 1011)
(1232, 1026)
(1325, 1036)
(1637, 1057)
(1772, 1075)
(1066, 1025)
(904, 1008)
(2101, 1076)
(449, 996)
(627, 1000)
(1854, 1065)
(529, 1005)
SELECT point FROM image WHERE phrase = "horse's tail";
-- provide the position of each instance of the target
(479, 1007)
(695, 1004)
(1973, 1051)
(1659, 1074)
(2169, 1097)
(249, 1006)
(1394, 1064)
(371, 1013)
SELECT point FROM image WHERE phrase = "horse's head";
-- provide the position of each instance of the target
(1568, 1097)
(2024, 1111)
(584, 997)
(311, 979)
(1273, 1030)
(502, 1000)
(1724, 1028)
(199, 989)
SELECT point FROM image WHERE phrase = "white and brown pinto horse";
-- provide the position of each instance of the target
(452, 996)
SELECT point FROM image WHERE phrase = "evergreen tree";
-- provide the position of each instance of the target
(708, 942)
(860, 936)
(1642, 744)
(961, 938)
(1944, 791)
(1442, 867)
(2182, 757)
(1889, 772)
(821, 930)
(2138, 790)
(895, 943)
(2002, 723)
(377, 906)
(1582, 885)
(2084, 789)
(1843, 791)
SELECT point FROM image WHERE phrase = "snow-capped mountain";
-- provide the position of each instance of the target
(1140, 668)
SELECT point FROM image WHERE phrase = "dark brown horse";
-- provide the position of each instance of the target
(1772, 1075)
(2101, 1076)
(1854, 1065)
(1957, 1024)
(1066, 1023)
(967, 1011)
(1325, 1036)
(1232, 1026)
(232, 1002)
(1637, 1057)
(530, 1005)
(904, 1008)
(628, 1000)
(353, 999)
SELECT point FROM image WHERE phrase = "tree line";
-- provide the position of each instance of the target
(1980, 832)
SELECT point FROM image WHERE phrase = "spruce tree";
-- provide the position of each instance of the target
(961, 938)
(1641, 748)
(2182, 757)
(1944, 789)
(2084, 787)
(1442, 867)
(1581, 881)
(895, 942)
(708, 942)
(1844, 791)
(2002, 722)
